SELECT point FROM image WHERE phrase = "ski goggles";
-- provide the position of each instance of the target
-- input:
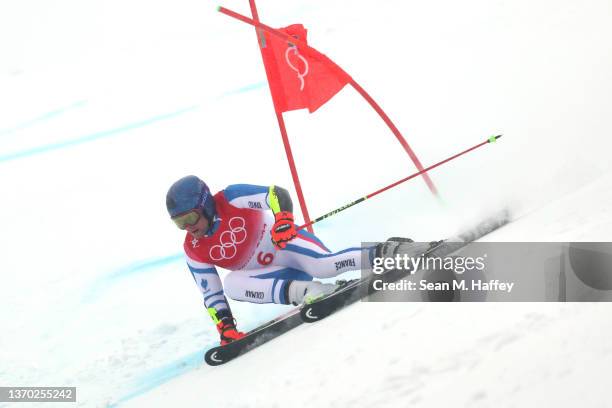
(188, 219)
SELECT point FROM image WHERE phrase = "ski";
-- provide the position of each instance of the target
(352, 291)
(222, 354)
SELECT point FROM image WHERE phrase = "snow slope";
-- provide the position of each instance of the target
(432, 354)
(103, 104)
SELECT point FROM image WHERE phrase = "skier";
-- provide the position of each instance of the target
(250, 231)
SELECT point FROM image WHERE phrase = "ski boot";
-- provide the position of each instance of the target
(226, 326)
(392, 247)
(228, 332)
(307, 292)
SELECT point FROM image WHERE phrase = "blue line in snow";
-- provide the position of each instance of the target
(143, 266)
(111, 132)
(244, 89)
(106, 281)
(42, 118)
(93, 136)
(162, 374)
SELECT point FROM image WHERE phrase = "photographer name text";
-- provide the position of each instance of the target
(423, 284)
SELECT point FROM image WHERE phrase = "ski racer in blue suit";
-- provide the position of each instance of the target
(250, 231)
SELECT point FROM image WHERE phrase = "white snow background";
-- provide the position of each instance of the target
(103, 104)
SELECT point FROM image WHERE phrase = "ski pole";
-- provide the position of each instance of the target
(492, 139)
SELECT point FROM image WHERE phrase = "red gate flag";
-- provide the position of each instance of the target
(285, 100)
(298, 77)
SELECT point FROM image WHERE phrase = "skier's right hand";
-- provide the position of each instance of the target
(283, 229)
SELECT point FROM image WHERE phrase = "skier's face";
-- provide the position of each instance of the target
(199, 228)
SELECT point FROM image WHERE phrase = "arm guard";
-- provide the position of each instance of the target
(280, 200)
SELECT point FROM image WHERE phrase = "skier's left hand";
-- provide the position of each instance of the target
(283, 229)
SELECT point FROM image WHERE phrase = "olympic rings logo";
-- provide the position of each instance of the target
(228, 240)
(300, 75)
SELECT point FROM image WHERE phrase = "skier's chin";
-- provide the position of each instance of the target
(197, 234)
